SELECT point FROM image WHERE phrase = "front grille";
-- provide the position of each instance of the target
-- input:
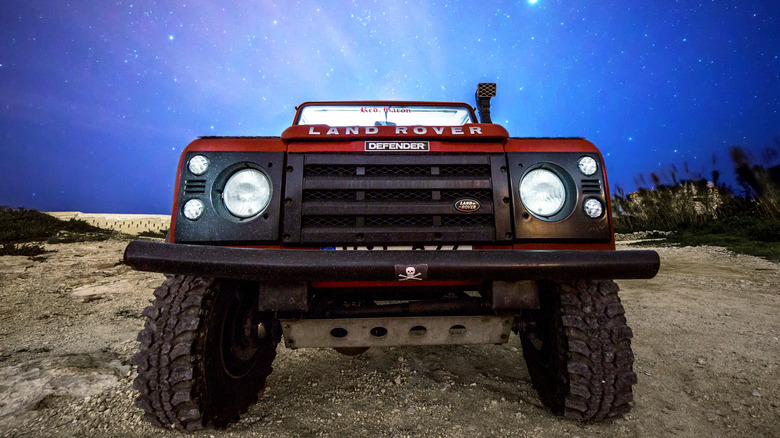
(396, 195)
(399, 221)
(465, 220)
(329, 171)
(470, 171)
(356, 198)
(329, 221)
(398, 171)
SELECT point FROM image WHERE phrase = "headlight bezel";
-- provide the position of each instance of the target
(571, 224)
(217, 225)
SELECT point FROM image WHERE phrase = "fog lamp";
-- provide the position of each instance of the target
(198, 165)
(193, 209)
(593, 208)
(587, 165)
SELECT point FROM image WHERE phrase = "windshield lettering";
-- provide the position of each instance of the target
(386, 109)
(408, 115)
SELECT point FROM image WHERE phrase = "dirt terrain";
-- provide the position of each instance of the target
(706, 339)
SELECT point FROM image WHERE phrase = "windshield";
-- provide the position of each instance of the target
(385, 115)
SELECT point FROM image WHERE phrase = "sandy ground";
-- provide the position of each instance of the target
(706, 342)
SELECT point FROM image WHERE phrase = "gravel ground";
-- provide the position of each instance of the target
(706, 339)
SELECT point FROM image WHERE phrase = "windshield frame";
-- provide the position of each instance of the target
(460, 106)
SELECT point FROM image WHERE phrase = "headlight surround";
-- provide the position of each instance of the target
(543, 192)
(247, 193)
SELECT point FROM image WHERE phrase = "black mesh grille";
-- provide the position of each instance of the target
(398, 195)
(329, 195)
(399, 221)
(465, 170)
(394, 198)
(329, 170)
(454, 195)
(395, 195)
(465, 220)
(398, 171)
(329, 221)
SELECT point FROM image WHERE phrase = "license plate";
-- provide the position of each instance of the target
(400, 248)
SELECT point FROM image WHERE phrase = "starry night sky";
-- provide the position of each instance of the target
(98, 98)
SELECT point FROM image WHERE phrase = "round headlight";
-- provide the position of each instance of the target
(593, 208)
(247, 193)
(587, 165)
(198, 165)
(193, 209)
(542, 192)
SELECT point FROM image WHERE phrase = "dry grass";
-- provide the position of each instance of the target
(22, 231)
(699, 212)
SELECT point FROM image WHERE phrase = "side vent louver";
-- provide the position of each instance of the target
(194, 186)
(591, 186)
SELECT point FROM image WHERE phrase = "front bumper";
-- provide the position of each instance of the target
(291, 265)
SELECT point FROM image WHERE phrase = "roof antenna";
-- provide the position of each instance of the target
(485, 90)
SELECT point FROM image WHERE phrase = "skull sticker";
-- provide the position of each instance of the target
(410, 273)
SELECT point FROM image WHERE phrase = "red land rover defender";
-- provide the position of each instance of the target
(374, 224)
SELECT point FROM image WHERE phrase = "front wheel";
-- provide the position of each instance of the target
(577, 347)
(203, 359)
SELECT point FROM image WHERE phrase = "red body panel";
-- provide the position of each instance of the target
(358, 147)
(550, 145)
(471, 132)
(236, 144)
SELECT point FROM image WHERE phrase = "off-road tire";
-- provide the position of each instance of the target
(201, 363)
(577, 347)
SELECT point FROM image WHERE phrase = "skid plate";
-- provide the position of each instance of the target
(387, 332)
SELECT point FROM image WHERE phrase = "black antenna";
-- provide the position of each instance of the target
(485, 91)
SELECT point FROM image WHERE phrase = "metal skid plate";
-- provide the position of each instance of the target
(387, 332)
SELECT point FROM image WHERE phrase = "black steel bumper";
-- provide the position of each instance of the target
(288, 265)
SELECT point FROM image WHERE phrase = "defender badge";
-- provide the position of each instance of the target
(397, 146)
(466, 205)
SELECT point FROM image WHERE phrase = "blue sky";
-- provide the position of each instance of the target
(98, 98)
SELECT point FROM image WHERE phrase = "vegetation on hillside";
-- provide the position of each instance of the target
(701, 212)
(21, 230)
